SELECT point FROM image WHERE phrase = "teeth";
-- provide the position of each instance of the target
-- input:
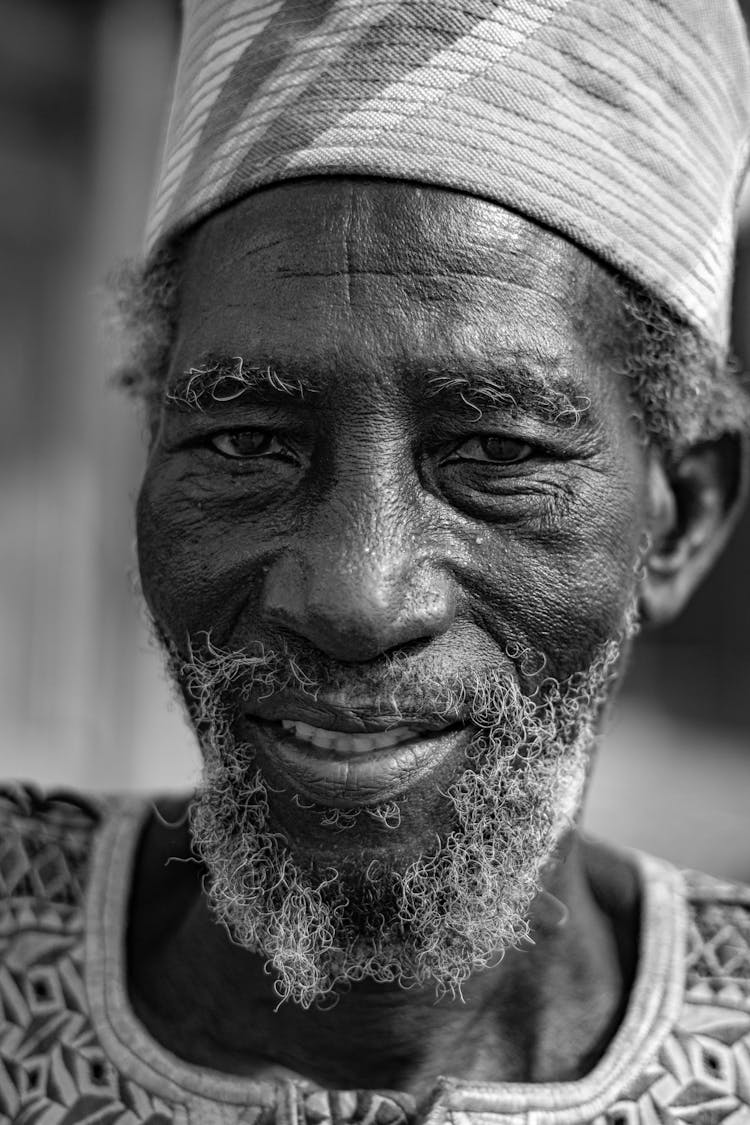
(344, 743)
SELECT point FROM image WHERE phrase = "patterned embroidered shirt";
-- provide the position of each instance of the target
(72, 1050)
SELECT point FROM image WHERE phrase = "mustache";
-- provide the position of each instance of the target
(398, 686)
(219, 685)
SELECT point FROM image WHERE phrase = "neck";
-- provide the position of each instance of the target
(545, 1012)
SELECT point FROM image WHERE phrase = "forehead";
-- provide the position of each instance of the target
(373, 276)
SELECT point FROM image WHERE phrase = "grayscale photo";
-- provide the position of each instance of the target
(375, 562)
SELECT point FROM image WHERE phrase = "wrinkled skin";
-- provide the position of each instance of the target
(386, 530)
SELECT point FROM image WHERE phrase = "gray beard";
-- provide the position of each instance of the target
(451, 911)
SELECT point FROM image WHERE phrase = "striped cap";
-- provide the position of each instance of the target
(623, 125)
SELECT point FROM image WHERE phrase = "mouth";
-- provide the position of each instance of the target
(344, 769)
(345, 743)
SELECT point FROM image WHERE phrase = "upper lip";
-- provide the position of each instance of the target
(349, 721)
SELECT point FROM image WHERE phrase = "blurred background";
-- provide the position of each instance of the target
(83, 699)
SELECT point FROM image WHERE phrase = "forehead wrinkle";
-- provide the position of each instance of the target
(408, 270)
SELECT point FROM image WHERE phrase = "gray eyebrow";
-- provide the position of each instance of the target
(516, 391)
(222, 379)
(516, 388)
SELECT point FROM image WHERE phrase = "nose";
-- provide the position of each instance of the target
(357, 589)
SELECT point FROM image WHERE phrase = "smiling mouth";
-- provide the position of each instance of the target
(338, 768)
(346, 744)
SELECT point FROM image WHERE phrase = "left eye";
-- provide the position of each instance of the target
(492, 449)
(248, 443)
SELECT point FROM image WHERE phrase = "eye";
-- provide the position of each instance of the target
(492, 449)
(244, 444)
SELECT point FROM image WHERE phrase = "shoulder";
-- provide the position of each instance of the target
(45, 846)
(704, 1062)
(54, 1061)
(718, 941)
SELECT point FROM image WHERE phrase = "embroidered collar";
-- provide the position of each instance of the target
(653, 1007)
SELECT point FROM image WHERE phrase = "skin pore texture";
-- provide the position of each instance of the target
(395, 484)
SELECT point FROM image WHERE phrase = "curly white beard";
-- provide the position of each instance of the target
(449, 912)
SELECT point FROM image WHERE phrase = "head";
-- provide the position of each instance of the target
(421, 459)
(418, 468)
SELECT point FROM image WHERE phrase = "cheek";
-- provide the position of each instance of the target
(564, 590)
(169, 564)
(198, 573)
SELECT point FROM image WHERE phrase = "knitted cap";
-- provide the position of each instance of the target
(622, 124)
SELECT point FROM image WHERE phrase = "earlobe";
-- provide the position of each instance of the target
(693, 508)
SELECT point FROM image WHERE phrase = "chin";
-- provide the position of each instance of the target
(411, 859)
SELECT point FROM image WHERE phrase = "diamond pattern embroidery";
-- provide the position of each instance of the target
(718, 960)
(344, 1107)
(702, 1076)
(698, 1081)
(53, 1070)
(44, 847)
(720, 947)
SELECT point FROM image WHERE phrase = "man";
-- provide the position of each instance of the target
(432, 342)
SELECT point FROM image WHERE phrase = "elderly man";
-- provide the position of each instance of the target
(432, 343)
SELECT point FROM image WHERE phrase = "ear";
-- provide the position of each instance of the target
(694, 507)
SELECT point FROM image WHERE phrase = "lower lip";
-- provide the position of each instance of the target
(358, 779)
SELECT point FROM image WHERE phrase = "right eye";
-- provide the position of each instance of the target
(246, 444)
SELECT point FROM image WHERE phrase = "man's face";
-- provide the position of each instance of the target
(392, 516)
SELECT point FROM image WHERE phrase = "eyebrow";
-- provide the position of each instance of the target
(219, 380)
(517, 386)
